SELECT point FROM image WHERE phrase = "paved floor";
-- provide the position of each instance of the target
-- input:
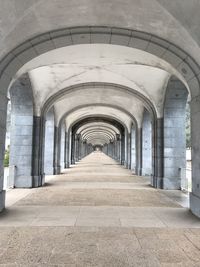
(98, 214)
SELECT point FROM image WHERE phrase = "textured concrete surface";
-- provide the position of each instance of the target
(90, 222)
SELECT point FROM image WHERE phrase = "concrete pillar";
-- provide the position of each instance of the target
(126, 149)
(157, 163)
(67, 150)
(118, 148)
(49, 143)
(77, 147)
(37, 151)
(138, 151)
(62, 147)
(57, 144)
(123, 148)
(80, 148)
(72, 148)
(195, 134)
(146, 144)
(129, 151)
(174, 135)
(133, 149)
(3, 111)
(21, 133)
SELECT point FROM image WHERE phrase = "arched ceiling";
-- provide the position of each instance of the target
(119, 65)
(92, 125)
(21, 20)
(81, 62)
(98, 111)
(99, 96)
(98, 129)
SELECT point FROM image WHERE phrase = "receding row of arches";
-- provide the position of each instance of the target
(151, 147)
(128, 102)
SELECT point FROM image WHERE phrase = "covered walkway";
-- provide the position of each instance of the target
(98, 214)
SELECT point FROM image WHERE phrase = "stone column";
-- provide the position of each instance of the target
(80, 148)
(21, 133)
(129, 151)
(146, 144)
(133, 150)
(57, 144)
(62, 147)
(126, 149)
(76, 148)
(174, 135)
(195, 134)
(66, 151)
(157, 163)
(73, 148)
(138, 151)
(49, 143)
(123, 149)
(37, 151)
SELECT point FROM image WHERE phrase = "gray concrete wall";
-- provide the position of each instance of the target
(133, 149)
(157, 161)
(62, 147)
(57, 146)
(49, 143)
(195, 133)
(174, 135)
(138, 151)
(146, 144)
(21, 133)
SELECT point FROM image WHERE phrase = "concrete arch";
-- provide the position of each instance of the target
(108, 134)
(98, 130)
(99, 134)
(186, 65)
(190, 69)
(98, 105)
(93, 126)
(82, 121)
(72, 89)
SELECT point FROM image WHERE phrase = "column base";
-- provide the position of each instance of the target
(195, 204)
(157, 182)
(2, 200)
(146, 172)
(49, 171)
(38, 180)
(171, 184)
(138, 171)
(57, 170)
(23, 182)
(67, 165)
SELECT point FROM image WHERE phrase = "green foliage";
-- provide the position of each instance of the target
(6, 157)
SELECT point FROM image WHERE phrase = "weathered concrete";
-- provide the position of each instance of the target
(21, 133)
(49, 143)
(146, 144)
(157, 163)
(174, 135)
(195, 132)
(138, 151)
(37, 152)
(133, 149)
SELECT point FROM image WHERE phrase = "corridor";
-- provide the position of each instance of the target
(97, 213)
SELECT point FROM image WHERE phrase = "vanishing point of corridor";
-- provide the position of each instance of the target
(98, 214)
